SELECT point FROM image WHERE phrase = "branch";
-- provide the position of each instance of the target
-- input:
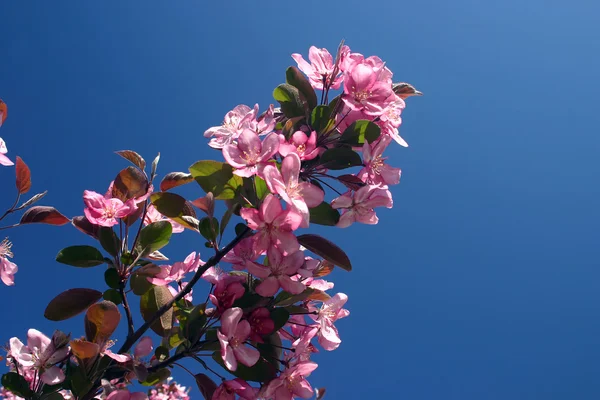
(214, 260)
(130, 328)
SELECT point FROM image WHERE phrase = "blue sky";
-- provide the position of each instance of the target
(481, 283)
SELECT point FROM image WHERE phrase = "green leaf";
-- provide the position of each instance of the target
(113, 295)
(326, 249)
(359, 131)
(291, 100)
(340, 158)
(294, 77)
(319, 118)
(151, 302)
(161, 353)
(112, 278)
(109, 240)
(217, 178)
(156, 377)
(80, 256)
(271, 347)
(194, 324)
(155, 236)
(280, 317)
(53, 396)
(70, 303)
(262, 371)
(17, 384)
(324, 214)
(285, 299)
(209, 228)
(139, 284)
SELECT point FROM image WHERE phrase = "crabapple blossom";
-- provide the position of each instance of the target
(229, 389)
(250, 154)
(331, 310)
(176, 272)
(292, 382)
(320, 69)
(241, 254)
(367, 87)
(278, 273)
(376, 171)
(273, 224)
(261, 324)
(234, 123)
(8, 269)
(126, 395)
(358, 206)
(169, 390)
(305, 146)
(228, 288)
(299, 195)
(105, 211)
(232, 335)
(4, 160)
(152, 215)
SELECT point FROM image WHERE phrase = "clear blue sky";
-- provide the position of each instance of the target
(482, 283)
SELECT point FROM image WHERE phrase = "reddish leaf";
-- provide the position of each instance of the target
(133, 157)
(101, 320)
(404, 90)
(319, 393)
(206, 385)
(70, 303)
(352, 182)
(174, 179)
(85, 226)
(325, 268)
(3, 112)
(33, 200)
(84, 349)
(129, 184)
(326, 249)
(43, 215)
(206, 204)
(23, 176)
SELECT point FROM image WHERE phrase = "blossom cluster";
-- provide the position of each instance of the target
(268, 309)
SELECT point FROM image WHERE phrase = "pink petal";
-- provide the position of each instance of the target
(269, 147)
(303, 389)
(249, 142)
(233, 156)
(258, 270)
(290, 169)
(53, 376)
(313, 196)
(37, 340)
(143, 348)
(246, 355)
(270, 208)
(291, 286)
(229, 359)
(5, 161)
(122, 358)
(268, 287)
(138, 396)
(230, 320)
(252, 217)
(243, 331)
(347, 219)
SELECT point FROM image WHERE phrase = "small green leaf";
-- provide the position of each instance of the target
(293, 104)
(294, 77)
(80, 256)
(359, 131)
(217, 178)
(70, 303)
(17, 384)
(340, 158)
(261, 187)
(156, 377)
(209, 228)
(319, 118)
(240, 228)
(113, 295)
(108, 240)
(161, 353)
(326, 249)
(324, 214)
(280, 317)
(112, 278)
(139, 284)
(155, 236)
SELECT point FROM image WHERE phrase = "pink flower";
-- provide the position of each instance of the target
(228, 389)
(234, 123)
(169, 390)
(331, 310)
(274, 225)
(105, 212)
(261, 324)
(3, 150)
(228, 288)
(320, 69)
(376, 171)
(39, 354)
(359, 206)
(250, 154)
(367, 88)
(278, 273)
(299, 195)
(152, 215)
(301, 144)
(292, 383)
(232, 335)
(8, 269)
(241, 254)
(180, 286)
(143, 348)
(177, 271)
(126, 395)
(390, 120)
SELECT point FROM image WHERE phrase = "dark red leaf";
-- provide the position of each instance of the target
(70, 303)
(174, 179)
(43, 215)
(3, 112)
(23, 176)
(206, 385)
(85, 226)
(352, 182)
(326, 249)
(133, 157)
(130, 184)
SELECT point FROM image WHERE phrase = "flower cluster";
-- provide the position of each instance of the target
(269, 306)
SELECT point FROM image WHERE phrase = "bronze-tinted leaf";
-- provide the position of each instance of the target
(325, 268)
(3, 112)
(83, 349)
(151, 302)
(35, 198)
(206, 204)
(352, 182)
(130, 183)
(133, 157)
(326, 249)
(174, 179)
(43, 215)
(404, 90)
(206, 385)
(101, 320)
(70, 303)
(23, 176)
(85, 226)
